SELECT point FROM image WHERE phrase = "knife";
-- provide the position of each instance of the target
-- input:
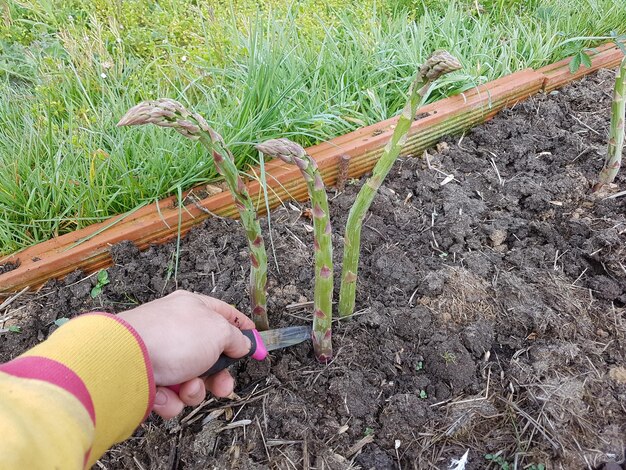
(261, 342)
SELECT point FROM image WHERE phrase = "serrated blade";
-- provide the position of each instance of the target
(285, 337)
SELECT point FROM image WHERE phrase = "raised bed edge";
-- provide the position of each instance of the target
(158, 222)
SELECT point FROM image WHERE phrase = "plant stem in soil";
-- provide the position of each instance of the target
(290, 152)
(616, 133)
(170, 113)
(438, 64)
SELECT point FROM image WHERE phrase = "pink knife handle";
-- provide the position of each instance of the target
(258, 351)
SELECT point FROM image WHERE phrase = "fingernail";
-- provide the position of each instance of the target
(160, 398)
(196, 389)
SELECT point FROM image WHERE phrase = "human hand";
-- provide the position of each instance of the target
(185, 334)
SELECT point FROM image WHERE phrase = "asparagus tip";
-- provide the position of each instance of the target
(439, 63)
(285, 149)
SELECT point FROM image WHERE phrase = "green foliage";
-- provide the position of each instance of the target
(62, 320)
(260, 69)
(581, 58)
(498, 460)
(449, 357)
(15, 329)
(423, 395)
(101, 281)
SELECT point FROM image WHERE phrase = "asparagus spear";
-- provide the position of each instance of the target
(170, 113)
(438, 64)
(616, 133)
(290, 152)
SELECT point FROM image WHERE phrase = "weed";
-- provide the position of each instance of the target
(449, 357)
(61, 321)
(498, 460)
(101, 280)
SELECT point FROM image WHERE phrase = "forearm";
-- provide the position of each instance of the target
(73, 396)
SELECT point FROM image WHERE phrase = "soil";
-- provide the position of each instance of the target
(6, 267)
(490, 314)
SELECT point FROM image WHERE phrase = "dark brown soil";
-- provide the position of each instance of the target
(490, 314)
(6, 267)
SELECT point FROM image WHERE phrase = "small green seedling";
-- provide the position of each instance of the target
(419, 366)
(498, 460)
(15, 329)
(62, 320)
(102, 280)
(369, 431)
(423, 395)
(449, 357)
(536, 466)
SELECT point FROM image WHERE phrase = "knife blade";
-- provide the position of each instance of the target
(262, 342)
(284, 337)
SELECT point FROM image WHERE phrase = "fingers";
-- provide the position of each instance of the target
(220, 384)
(192, 392)
(167, 404)
(230, 313)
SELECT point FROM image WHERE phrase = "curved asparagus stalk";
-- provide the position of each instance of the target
(438, 64)
(616, 134)
(290, 152)
(170, 113)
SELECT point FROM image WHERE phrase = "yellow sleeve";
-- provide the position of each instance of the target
(67, 400)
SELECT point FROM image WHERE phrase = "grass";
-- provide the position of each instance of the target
(307, 70)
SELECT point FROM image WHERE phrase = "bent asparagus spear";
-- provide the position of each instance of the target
(290, 152)
(170, 113)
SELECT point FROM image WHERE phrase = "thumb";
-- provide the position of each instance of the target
(236, 344)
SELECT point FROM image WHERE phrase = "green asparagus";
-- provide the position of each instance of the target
(290, 152)
(438, 64)
(170, 113)
(616, 133)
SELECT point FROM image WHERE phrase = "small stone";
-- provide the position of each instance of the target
(497, 237)
(442, 147)
(212, 189)
(500, 248)
(618, 374)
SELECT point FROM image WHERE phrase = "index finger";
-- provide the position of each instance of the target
(230, 313)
